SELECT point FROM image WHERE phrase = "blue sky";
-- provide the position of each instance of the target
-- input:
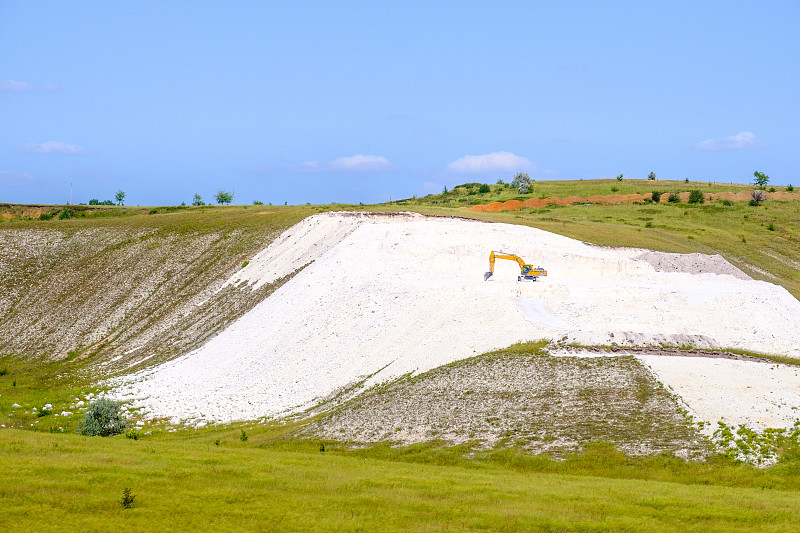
(362, 101)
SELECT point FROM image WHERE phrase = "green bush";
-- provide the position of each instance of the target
(771, 189)
(45, 216)
(521, 182)
(483, 189)
(727, 203)
(656, 196)
(64, 214)
(771, 226)
(614, 189)
(674, 198)
(790, 188)
(127, 498)
(103, 419)
(696, 197)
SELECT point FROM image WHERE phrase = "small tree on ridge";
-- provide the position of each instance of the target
(761, 179)
(223, 197)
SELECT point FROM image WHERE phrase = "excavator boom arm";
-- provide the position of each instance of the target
(502, 255)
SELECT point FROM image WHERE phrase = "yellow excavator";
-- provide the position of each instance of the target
(527, 272)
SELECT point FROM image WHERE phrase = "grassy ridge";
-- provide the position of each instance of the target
(469, 193)
(740, 233)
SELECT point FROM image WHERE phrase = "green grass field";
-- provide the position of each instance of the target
(69, 482)
(210, 478)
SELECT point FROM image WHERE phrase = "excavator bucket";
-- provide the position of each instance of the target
(487, 275)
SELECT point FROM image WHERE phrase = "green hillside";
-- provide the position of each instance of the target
(283, 476)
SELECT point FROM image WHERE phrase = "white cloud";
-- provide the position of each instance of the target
(308, 166)
(51, 147)
(356, 163)
(11, 85)
(494, 162)
(361, 162)
(740, 141)
(15, 178)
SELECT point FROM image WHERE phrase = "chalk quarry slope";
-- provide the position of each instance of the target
(385, 295)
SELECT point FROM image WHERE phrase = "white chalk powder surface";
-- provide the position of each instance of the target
(757, 395)
(388, 295)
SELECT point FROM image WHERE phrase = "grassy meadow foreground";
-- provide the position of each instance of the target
(247, 476)
(55, 345)
(213, 479)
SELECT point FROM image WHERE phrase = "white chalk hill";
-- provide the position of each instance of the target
(384, 295)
